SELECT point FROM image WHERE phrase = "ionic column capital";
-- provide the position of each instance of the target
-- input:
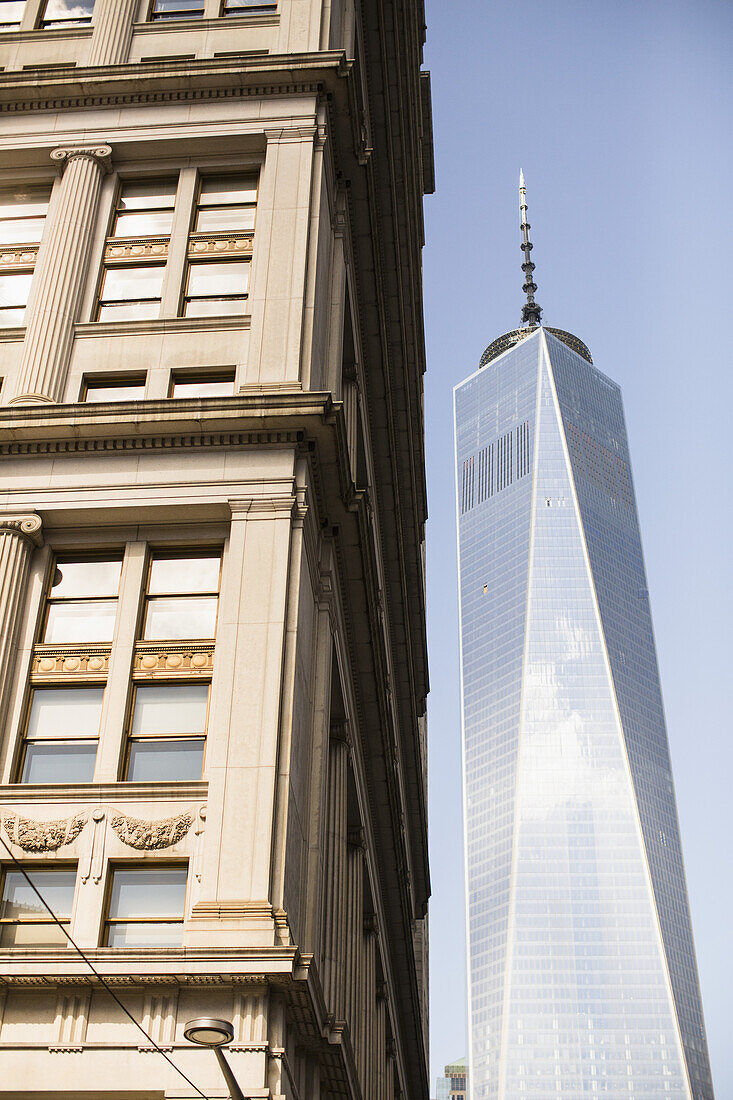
(100, 154)
(356, 840)
(340, 731)
(26, 526)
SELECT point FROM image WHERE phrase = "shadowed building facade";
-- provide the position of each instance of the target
(212, 633)
(582, 971)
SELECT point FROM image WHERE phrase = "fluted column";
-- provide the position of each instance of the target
(369, 983)
(112, 34)
(19, 534)
(334, 916)
(355, 932)
(61, 270)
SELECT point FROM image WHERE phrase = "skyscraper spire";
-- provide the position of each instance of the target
(531, 311)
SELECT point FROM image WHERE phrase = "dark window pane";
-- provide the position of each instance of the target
(203, 387)
(185, 575)
(167, 761)
(63, 762)
(86, 578)
(170, 708)
(56, 887)
(81, 621)
(183, 617)
(140, 892)
(65, 712)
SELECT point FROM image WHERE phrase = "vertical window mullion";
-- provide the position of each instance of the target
(173, 278)
(114, 711)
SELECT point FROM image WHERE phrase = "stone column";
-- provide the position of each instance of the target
(369, 1077)
(334, 915)
(19, 534)
(61, 270)
(355, 953)
(380, 1042)
(112, 34)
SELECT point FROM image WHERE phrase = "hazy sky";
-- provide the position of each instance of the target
(619, 112)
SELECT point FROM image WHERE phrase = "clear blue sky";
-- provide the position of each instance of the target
(620, 115)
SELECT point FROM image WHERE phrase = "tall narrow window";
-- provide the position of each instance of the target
(146, 906)
(168, 732)
(137, 251)
(61, 735)
(24, 921)
(22, 214)
(82, 601)
(67, 13)
(217, 280)
(182, 597)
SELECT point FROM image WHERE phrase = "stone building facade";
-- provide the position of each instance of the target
(212, 635)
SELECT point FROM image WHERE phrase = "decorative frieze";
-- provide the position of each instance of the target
(121, 252)
(19, 257)
(184, 659)
(150, 835)
(89, 661)
(219, 244)
(42, 836)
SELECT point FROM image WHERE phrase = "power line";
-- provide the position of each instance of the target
(96, 973)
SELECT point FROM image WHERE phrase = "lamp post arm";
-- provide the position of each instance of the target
(234, 1090)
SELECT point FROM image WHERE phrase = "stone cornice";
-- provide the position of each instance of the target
(207, 78)
(26, 526)
(92, 794)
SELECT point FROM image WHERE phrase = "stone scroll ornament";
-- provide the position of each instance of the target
(43, 836)
(150, 835)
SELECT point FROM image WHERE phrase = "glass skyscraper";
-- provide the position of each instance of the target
(582, 972)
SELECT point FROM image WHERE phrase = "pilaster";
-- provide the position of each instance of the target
(19, 535)
(334, 910)
(355, 933)
(61, 270)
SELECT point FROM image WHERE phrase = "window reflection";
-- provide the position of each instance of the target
(146, 906)
(98, 390)
(24, 921)
(214, 385)
(182, 597)
(167, 732)
(82, 603)
(61, 735)
(67, 13)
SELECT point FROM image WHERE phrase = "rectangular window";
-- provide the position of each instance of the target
(24, 922)
(168, 732)
(177, 9)
(146, 906)
(182, 597)
(67, 13)
(236, 7)
(22, 214)
(203, 385)
(61, 735)
(11, 13)
(225, 205)
(106, 389)
(14, 291)
(131, 288)
(82, 601)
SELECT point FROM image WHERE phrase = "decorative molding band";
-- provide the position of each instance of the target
(24, 256)
(181, 659)
(132, 251)
(26, 526)
(150, 326)
(232, 910)
(220, 243)
(100, 154)
(87, 661)
(150, 835)
(151, 443)
(90, 794)
(43, 836)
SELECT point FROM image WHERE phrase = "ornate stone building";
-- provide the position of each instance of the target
(212, 635)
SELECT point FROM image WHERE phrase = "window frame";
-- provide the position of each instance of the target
(130, 739)
(151, 866)
(7, 867)
(200, 377)
(90, 382)
(34, 688)
(61, 24)
(151, 16)
(48, 600)
(163, 554)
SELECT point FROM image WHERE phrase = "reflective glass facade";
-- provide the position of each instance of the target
(582, 973)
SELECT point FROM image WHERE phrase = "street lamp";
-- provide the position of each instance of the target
(208, 1032)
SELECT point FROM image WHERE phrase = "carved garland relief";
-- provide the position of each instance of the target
(49, 836)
